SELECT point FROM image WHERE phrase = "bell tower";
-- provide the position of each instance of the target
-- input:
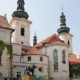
(21, 25)
(64, 32)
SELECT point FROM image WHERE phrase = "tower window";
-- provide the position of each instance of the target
(21, 42)
(22, 31)
(63, 57)
(29, 58)
(68, 42)
(55, 59)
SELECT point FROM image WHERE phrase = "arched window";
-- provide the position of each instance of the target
(63, 57)
(55, 59)
(22, 31)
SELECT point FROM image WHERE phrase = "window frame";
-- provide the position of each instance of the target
(22, 32)
(64, 57)
(68, 42)
(29, 58)
(55, 60)
(41, 59)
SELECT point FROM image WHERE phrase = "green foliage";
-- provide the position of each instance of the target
(9, 49)
(3, 45)
(74, 70)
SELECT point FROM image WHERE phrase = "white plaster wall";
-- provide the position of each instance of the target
(67, 37)
(16, 36)
(4, 67)
(16, 48)
(35, 60)
(5, 35)
(18, 69)
(63, 72)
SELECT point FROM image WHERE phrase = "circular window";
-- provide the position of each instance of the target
(40, 69)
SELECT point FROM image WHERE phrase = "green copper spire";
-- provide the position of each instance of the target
(62, 20)
(20, 12)
(63, 28)
(20, 4)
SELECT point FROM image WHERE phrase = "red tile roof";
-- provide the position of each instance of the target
(3, 22)
(34, 51)
(73, 59)
(26, 50)
(50, 40)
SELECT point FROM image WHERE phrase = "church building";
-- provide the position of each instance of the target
(48, 59)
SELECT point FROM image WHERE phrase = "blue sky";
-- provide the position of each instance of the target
(45, 17)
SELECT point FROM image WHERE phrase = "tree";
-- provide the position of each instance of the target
(74, 70)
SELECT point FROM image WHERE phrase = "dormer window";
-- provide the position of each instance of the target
(22, 31)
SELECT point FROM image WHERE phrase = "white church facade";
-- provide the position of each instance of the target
(49, 58)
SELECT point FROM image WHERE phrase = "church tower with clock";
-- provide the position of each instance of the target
(21, 25)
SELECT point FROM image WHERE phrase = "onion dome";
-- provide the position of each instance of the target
(20, 12)
(63, 27)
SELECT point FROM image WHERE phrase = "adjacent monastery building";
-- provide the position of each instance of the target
(50, 58)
